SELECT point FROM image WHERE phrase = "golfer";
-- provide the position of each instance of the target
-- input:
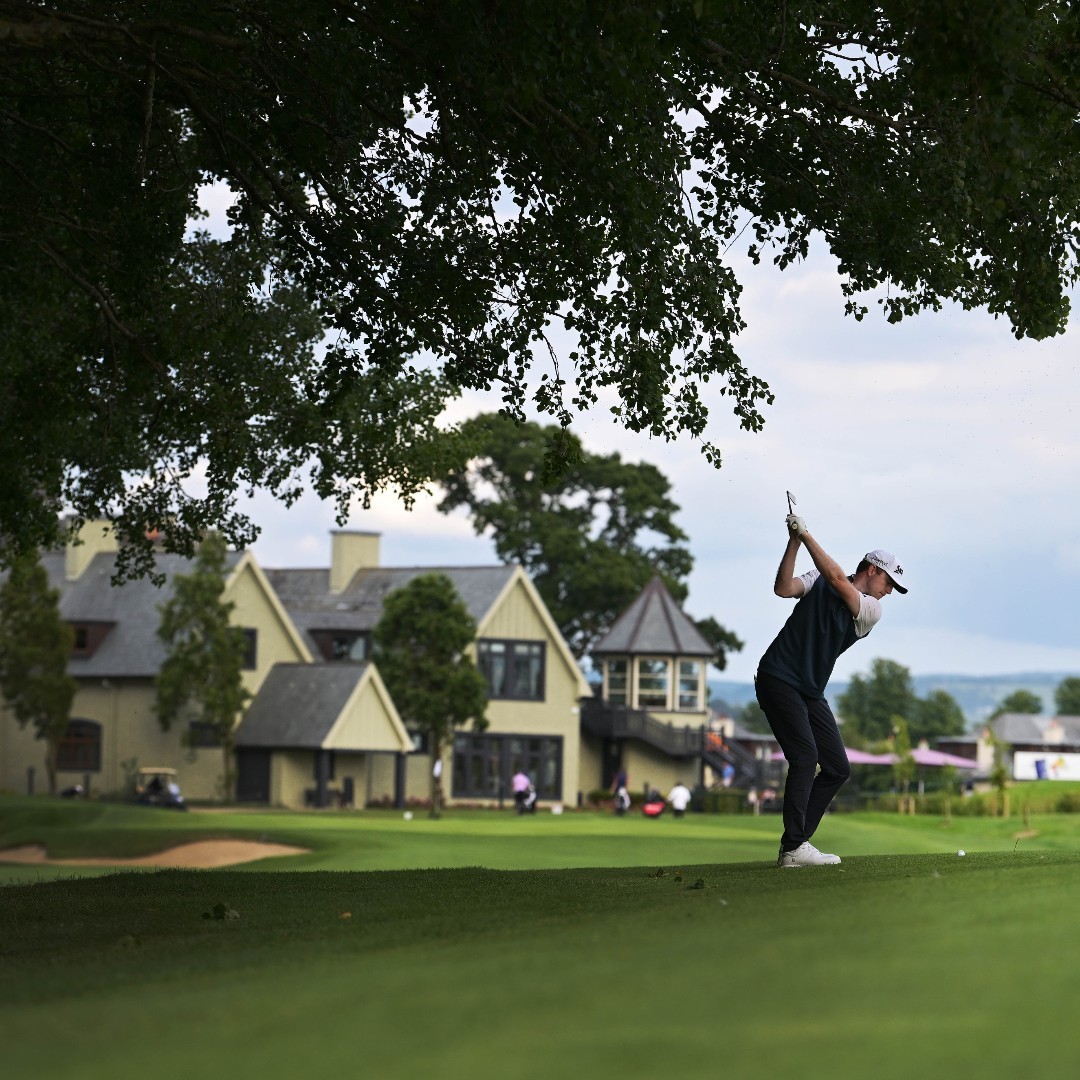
(834, 611)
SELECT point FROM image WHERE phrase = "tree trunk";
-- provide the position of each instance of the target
(436, 781)
(228, 792)
(52, 752)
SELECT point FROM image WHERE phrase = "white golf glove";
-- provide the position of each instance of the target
(796, 525)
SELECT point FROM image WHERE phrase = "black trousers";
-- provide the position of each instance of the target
(806, 730)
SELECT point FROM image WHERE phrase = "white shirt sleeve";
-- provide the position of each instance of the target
(869, 614)
(869, 608)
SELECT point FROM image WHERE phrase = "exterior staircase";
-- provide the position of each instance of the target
(606, 721)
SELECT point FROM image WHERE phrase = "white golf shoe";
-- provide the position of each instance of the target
(806, 855)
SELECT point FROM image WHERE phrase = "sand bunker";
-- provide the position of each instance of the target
(199, 855)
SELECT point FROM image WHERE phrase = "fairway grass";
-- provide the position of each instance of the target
(385, 840)
(579, 945)
(888, 966)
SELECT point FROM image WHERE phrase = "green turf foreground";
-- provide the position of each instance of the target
(886, 967)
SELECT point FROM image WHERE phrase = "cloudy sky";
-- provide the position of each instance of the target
(943, 439)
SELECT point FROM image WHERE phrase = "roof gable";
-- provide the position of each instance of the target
(654, 625)
(520, 585)
(323, 706)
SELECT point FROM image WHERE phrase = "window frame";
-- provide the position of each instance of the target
(664, 705)
(513, 655)
(497, 757)
(250, 660)
(76, 745)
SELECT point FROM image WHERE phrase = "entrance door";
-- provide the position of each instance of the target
(253, 776)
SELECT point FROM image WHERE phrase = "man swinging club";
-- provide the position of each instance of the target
(834, 611)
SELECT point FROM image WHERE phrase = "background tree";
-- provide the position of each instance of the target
(936, 715)
(1067, 697)
(201, 678)
(590, 536)
(1019, 701)
(752, 717)
(420, 646)
(35, 645)
(721, 639)
(871, 701)
(452, 181)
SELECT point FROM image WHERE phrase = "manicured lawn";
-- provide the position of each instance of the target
(906, 960)
(888, 967)
(384, 840)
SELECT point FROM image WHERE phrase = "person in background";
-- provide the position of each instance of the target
(521, 786)
(679, 799)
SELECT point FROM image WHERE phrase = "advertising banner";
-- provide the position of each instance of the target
(1045, 765)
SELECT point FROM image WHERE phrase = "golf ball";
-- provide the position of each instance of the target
(407, 815)
(961, 853)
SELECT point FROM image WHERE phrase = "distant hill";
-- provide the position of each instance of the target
(977, 695)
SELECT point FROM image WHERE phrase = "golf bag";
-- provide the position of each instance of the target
(525, 801)
(622, 801)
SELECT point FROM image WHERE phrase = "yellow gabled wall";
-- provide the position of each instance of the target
(368, 722)
(257, 607)
(519, 614)
(131, 735)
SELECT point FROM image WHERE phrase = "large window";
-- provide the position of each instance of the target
(80, 748)
(513, 669)
(652, 684)
(616, 682)
(484, 764)
(689, 684)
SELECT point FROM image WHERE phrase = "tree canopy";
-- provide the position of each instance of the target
(1067, 696)
(35, 645)
(545, 199)
(420, 647)
(872, 703)
(1019, 701)
(591, 535)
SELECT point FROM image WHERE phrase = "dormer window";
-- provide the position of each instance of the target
(343, 645)
(87, 638)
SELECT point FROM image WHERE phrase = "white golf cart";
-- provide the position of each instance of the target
(157, 786)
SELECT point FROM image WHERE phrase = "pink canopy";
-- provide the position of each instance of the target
(939, 757)
(861, 757)
(922, 757)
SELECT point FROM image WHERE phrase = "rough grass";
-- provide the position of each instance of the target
(681, 952)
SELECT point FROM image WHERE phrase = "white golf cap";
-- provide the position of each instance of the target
(887, 561)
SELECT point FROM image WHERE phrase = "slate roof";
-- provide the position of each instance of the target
(311, 605)
(655, 625)
(1028, 728)
(131, 648)
(297, 705)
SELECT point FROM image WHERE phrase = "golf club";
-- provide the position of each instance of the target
(791, 501)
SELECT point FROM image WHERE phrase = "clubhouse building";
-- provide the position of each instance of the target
(321, 729)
